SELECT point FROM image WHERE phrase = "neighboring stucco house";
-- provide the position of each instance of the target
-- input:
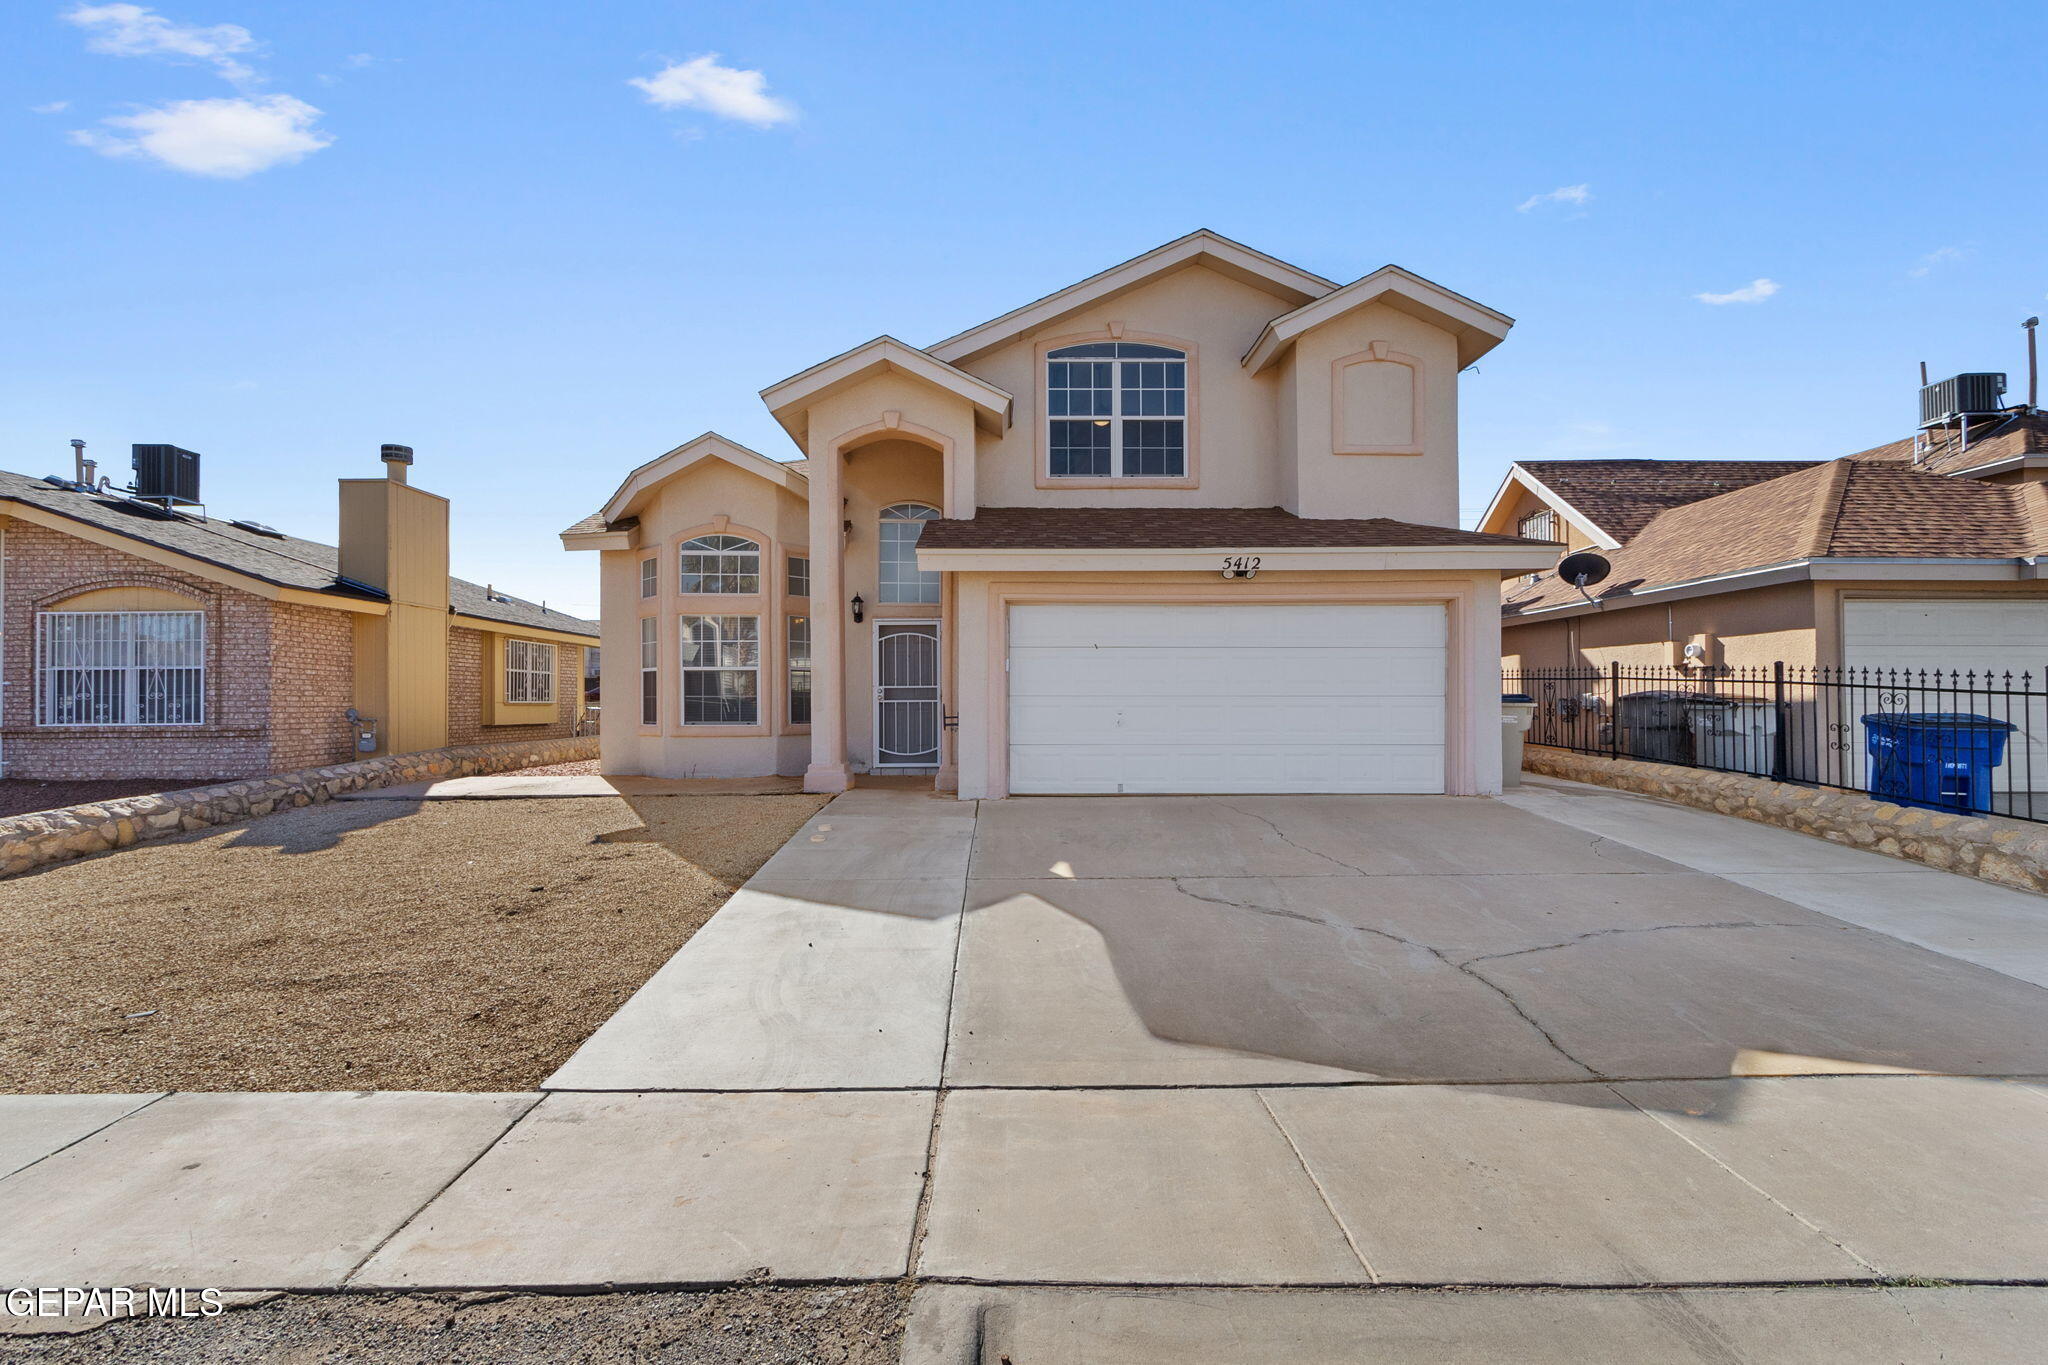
(1921, 554)
(1189, 525)
(139, 640)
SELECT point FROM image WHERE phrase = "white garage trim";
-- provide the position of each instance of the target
(1112, 698)
(1472, 665)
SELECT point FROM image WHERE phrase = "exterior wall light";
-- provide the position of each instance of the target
(859, 606)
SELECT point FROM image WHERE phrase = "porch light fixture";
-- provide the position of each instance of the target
(860, 605)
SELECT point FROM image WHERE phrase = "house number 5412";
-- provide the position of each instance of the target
(1240, 566)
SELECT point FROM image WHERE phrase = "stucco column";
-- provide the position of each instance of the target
(828, 772)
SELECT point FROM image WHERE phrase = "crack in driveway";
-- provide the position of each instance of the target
(1462, 968)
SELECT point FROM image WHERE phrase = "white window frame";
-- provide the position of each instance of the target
(796, 659)
(724, 564)
(532, 664)
(892, 584)
(123, 652)
(1542, 520)
(732, 637)
(650, 577)
(797, 582)
(650, 670)
(1116, 416)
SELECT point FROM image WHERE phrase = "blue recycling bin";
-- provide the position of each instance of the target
(1939, 760)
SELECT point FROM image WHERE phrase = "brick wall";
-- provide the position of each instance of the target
(312, 685)
(466, 655)
(280, 677)
(44, 567)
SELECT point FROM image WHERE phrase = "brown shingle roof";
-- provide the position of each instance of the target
(1852, 507)
(1620, 496)
(2021, 434)
(1185, 528)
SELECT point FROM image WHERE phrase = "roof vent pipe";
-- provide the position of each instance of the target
(82, 468)
(395, 459)
(2033, 366)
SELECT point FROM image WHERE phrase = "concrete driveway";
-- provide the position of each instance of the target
(1190, 941)
(1090, 1071)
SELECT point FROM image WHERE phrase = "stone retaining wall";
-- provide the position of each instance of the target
(2009, 852)
(52, 836)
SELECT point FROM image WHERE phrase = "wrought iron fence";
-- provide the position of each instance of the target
(1957, 741)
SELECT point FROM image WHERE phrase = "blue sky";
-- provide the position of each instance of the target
(458, 226)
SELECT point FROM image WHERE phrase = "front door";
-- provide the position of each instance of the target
(907, 714)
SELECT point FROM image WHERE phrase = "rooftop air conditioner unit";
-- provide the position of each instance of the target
(1965, 395)
(166, 474)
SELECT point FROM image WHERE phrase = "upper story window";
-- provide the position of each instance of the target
(902, 580)
(799, 575)
(650, 577)
(1117, 410)
(121, 668)
(1538, 526)
(721, 564)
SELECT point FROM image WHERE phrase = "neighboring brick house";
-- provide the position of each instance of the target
(140, 643)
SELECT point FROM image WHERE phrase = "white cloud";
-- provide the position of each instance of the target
(1756, 291)
(1578, 196)
(138, 31)
(701, 83)
(224, 138)
(53, 107)
(1941, 255)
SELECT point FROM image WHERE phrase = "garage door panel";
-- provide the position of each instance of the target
(1929, 640)
(1378, 721)
(1127, 698)
(1136, 625)
(1130, 770)
(1194, 673)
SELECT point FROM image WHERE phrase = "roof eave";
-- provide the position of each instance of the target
(1477, 328)
(1200, 246)
(709, 445)
(789, 400)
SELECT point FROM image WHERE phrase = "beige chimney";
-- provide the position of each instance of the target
(394, 538)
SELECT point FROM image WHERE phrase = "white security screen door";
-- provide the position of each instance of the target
(1121, 698)
(907, 715)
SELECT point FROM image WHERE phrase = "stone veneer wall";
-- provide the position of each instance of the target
(51, 836)
(1990, 847)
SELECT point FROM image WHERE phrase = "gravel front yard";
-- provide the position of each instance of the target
(390, 945)
(750, 1326)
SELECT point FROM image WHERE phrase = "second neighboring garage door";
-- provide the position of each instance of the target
(1124, 698)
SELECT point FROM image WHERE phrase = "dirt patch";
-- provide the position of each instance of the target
(837, 1326)
(21, 795)
(391, 945)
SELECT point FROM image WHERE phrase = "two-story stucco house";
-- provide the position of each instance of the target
(1189, 525)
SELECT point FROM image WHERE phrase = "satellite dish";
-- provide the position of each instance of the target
(1582, 567)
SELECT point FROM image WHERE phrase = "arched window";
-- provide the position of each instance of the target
(721, 564)
(1117, 410)
(902, 580)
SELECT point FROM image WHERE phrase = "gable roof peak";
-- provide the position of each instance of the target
(1204, 246)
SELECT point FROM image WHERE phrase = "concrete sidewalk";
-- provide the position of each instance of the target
(1173, 1086)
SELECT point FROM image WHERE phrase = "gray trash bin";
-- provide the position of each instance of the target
(1654, 724)
(1517, 714)
(1738, 736)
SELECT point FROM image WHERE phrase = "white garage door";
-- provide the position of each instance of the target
(1949, 637)
(1109, 698)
